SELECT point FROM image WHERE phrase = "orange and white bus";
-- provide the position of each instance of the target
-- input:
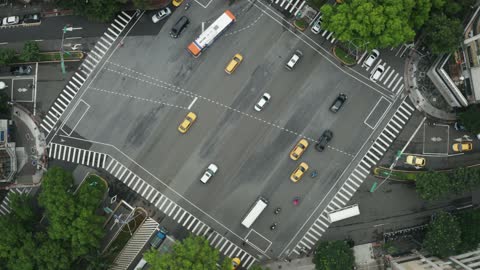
(211, 33)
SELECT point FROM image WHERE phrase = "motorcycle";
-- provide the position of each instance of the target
(296, 201)
(273, 226)
(187, 6)
(277, 210)
(314, 174)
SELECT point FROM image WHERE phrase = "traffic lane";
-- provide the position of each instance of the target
(52, 28)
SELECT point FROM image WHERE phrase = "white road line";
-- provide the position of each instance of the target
(193, 102)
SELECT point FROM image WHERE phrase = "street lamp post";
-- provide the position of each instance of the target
(65, 29)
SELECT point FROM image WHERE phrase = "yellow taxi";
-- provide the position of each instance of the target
(234, 63)
(187, 122)
(298, 150)
(462, 147)
(235, 263)
(177, 3)
(416, 161)
(299, 172)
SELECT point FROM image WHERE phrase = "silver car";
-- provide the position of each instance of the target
(316, 27)
(211, 170)
(261, 103)
(12, 20)
(161, 14)
(371, 58)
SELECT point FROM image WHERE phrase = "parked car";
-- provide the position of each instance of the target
(297, 55)
(263, 100)
(371, 58)
(211, 170)
(31, 18)
(462, 147)
(161, 14)
(187, 122)
(323, 140)
(377, 73)
(179, 26)
(338, 103)
(415, 161)
(12, 20)
(298, 150)
(298, 173)
(21, 70)
(235, 263)
(316, 27)
(159, 237)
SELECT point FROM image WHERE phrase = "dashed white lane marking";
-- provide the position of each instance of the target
(138, 98)
(244, 28)
(193, 102)
(182, 91)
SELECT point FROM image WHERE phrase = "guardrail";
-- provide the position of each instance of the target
(21, 24)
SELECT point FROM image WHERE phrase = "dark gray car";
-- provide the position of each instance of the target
(338, 103)
(323, 140)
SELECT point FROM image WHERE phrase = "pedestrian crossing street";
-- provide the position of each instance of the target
(164, 204)
(391, 79)
(5, 205)
(135, 245)
(356, 178)
(78, 79)
(292, 6)
(76, 155)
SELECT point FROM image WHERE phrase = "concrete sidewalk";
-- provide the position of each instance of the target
(296, 264)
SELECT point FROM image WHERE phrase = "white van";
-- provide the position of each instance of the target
(141, 264)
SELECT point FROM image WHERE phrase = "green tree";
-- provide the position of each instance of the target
(374, 24)
(52, 254)
(30, 52)
(7, 56)
(57, 199)
(443, 235)
(333, 255)
(471, 118)
(4, 107)
(443, 34)
(257, 267)
(191, 253)
(95, 10)
(470, 237)
(140, 4)
(432, 185)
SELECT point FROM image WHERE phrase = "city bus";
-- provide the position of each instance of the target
(343, 213)
(254, 212)
(211, 33)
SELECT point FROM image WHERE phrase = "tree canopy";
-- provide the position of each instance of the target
(333, 255)
(375, 24)
(443, 34)
(30, 52)
(470, 118)
(192, 253)
(443, 235)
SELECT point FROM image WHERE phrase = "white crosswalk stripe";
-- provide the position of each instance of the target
(291, 6)
(5, 205)
(87, 67)
(358, 175)
(76, 155)
(177, 213)
(390, 77)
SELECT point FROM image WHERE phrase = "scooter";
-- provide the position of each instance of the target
(273, 226)
(187, 5)
(314, 174)
(277, 210)
(296, 201)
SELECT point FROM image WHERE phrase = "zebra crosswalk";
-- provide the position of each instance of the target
(151, 194)
(135, 245)
(78, 79)
(76, 155)
(291, 6)
(391, 79)
(357, 176)
(5, 205)
(177, 213)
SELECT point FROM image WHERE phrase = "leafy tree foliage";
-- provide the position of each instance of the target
(443, 235)
(443, 34)
(95, 10)
(375, 24)
(333, 255)
(52, 254)
(257, 267)
(470, 118)
(192, 253)
(30, 52)
(470, 237)
(436, 185)
(140, 4)
(7, 56)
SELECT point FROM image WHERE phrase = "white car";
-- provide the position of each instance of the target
(11, 20)
(211, 170)
(377, 73)
(371, 58)
(161, 14)
(294, 59)
(261, 103)
(316, 27)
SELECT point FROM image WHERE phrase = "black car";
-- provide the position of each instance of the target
(338, 103)
(31, 18)
(323, 140)
(21, 70)
(179, 26)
